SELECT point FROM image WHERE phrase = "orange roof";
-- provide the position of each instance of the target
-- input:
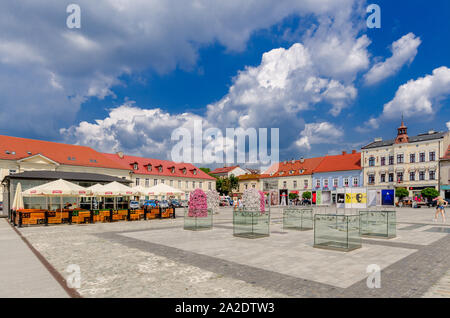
(14, 148)
(143, 163)
(252, 176)
(342, 162)
(447, 154)
(296, 168)
(224, 170)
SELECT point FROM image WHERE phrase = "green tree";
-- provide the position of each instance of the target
(206, 170)
(401, 193)
(225, 186)
(306, 195)
(429, 193)
(293, 196)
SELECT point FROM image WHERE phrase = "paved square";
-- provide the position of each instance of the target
(157, 258)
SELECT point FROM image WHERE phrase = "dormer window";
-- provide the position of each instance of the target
(194, 171)
(172, 169)
(135, 166)
(160, 168)
(184, 170)
(149, 167)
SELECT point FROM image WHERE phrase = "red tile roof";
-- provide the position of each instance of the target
(155, 163)
(223, 170)
(298, 168)
(447, 154)
(14, 148)
(342, 162)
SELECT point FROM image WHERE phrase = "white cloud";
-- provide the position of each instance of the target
(421, 96)
(131, 129)
(319, 133)
(448, 125)
(403, 50)
(116, 37)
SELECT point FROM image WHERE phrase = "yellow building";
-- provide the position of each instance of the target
(406, 162)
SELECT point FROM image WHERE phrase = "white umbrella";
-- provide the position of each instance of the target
(141, 191)
(116, 189)
(164, 189)
(18, 198)
(57, 188)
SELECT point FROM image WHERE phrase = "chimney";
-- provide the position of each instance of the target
(378, 139)
(353, 151)
(302, 160)
(344, 152)
(431, 132)
(120, 154)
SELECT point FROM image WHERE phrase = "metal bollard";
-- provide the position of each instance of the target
(20, 219)
(145, 213)
(91, 217)
(110, 215)
(46, 218)
(70, 217)
(128, 215)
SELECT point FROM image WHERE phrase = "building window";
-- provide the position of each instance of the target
(432, 175)
(400, 158)
(284, 184)
(179, 184)
(421, 175)
(193, 184)
(399, 176)
(412, 176)
(149, 168)
(162, 181)
(432, 156)
(325, 183)
(187, 184)
(371, 161)
(209, 185)
(172, 170)
(391, 177)
(135, 166)
(246, 186)
(335, 182)
(318, 183)
(200, 185)
(383, 178)
(346, 183)
(137, 181)
(305, 182)
(412, 158)
(422, 157)
(295, 184)
(147, 183)
(355, 182)
(12, 171)
(253, 186)
(371, 179)
(155, 182)
(383, 161)
(171, 183)
(391, 160)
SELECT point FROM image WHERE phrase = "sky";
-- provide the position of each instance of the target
(136, 70)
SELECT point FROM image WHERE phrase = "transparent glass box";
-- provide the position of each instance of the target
(381, 224)
(337, 232)
(298, 219)
(198, 223)
(251, 224)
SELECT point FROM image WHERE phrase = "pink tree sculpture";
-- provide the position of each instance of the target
(262, 198)
(198, 204)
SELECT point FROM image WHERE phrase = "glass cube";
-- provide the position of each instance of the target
(199, 221)
(251, 224)
(337, 232)
(381, 224)
(298, 219)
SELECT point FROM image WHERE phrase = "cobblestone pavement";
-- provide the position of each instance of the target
(157, 258)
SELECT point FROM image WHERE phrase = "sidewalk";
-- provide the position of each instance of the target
(21, 273)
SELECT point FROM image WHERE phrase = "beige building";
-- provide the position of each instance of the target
(406, 162)
(249, 181)
(18, 155)
(445, 174)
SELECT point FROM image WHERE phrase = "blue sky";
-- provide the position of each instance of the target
(136, 71)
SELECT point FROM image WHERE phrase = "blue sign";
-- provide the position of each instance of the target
(387, 197)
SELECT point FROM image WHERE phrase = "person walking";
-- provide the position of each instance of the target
(440, 204)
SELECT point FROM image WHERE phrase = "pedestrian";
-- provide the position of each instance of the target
(440, 204)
